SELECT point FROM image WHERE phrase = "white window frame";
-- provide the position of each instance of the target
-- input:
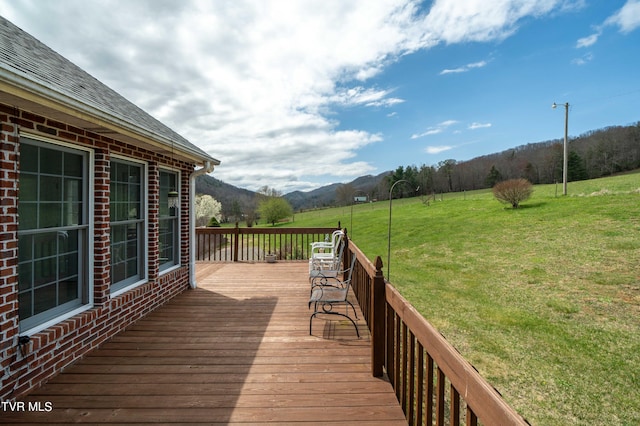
(88, 204)
(144, 250)
(166, 267)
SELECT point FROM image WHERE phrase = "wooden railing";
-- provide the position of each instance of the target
(254, 244)
(432, 381)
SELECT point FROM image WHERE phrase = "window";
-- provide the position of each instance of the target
(53, 232)
(169, 226)
(127, 212)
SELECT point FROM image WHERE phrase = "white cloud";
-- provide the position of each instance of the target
(627, 18)
(583, 60)
(474, 126)
(439, 128)
(363, 96)
(256, 84)
(437, 149)
(431, 131)
(588, 41)
(476, 20)
(464, 68)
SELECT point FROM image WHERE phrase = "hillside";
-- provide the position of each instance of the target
(595, 154)
(236, 199)
(330, 195)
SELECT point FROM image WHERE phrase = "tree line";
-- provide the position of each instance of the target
(594, 154)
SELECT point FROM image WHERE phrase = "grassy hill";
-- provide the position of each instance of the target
(544, 300)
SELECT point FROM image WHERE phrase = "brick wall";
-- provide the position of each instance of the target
(52, 349)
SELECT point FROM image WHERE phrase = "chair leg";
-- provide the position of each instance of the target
(332, 313)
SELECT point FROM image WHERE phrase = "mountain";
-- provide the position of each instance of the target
(329, 195)
(320, 197)
(235, 200)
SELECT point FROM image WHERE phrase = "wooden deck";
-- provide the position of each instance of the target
(235, 350)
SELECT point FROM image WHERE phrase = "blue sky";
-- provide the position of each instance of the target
(296, 95)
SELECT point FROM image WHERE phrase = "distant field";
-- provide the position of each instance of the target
(543, 300)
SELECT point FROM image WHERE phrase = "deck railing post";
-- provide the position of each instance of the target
(236, 242)
(378, 321)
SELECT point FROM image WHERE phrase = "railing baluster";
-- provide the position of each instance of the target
(391, 360)
(429, 393)
(440, 389)
(412, 377)
(420, 384)
(454, 408)
(472, 419)
(398, 359)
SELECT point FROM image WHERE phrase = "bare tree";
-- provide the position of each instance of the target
(513, 191)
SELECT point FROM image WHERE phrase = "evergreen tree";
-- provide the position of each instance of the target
(576, 169)
(493, 177)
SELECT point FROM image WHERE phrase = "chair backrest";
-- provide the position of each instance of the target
(339, 251)
(346, 283)
(336, 238)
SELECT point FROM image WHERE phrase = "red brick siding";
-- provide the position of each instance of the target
(51, 350)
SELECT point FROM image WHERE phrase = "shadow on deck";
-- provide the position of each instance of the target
(235, 350)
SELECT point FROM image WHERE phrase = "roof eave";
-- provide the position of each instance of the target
(22, 88)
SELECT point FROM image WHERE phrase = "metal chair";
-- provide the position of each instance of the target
(327, 293)
(327, 249)
(327, 266)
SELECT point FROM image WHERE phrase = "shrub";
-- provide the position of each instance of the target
(513, 191)
(213, 222)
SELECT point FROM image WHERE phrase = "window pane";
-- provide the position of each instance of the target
(50, 161)
(25, 276)
(72, 190)
(72, 213)
(68, 266)
(25, 248)
(28, 187)
(25, 310)
(68, 241)
(28, 158)
(50, 215)
(45, 298)
(27, 215)
(45, 271)
(73, 164)
(132, 268)
(45, 244)
(67, 291)
(53, 193)
(126, 238)
(134, 176)
(50, 188)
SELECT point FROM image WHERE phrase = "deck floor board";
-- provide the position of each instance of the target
(237, 350)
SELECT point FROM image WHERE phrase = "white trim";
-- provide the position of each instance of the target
(52, 140)
(145, 231)
(56, 320)
(208, 168)
(178, 173)
(90, 230)
(172, 268)
(127, 288)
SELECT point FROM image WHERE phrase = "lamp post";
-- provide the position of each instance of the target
(389, 232)
(564, 153)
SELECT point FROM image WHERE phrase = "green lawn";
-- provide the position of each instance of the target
(543, 300)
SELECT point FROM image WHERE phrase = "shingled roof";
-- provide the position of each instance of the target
(32, 75)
